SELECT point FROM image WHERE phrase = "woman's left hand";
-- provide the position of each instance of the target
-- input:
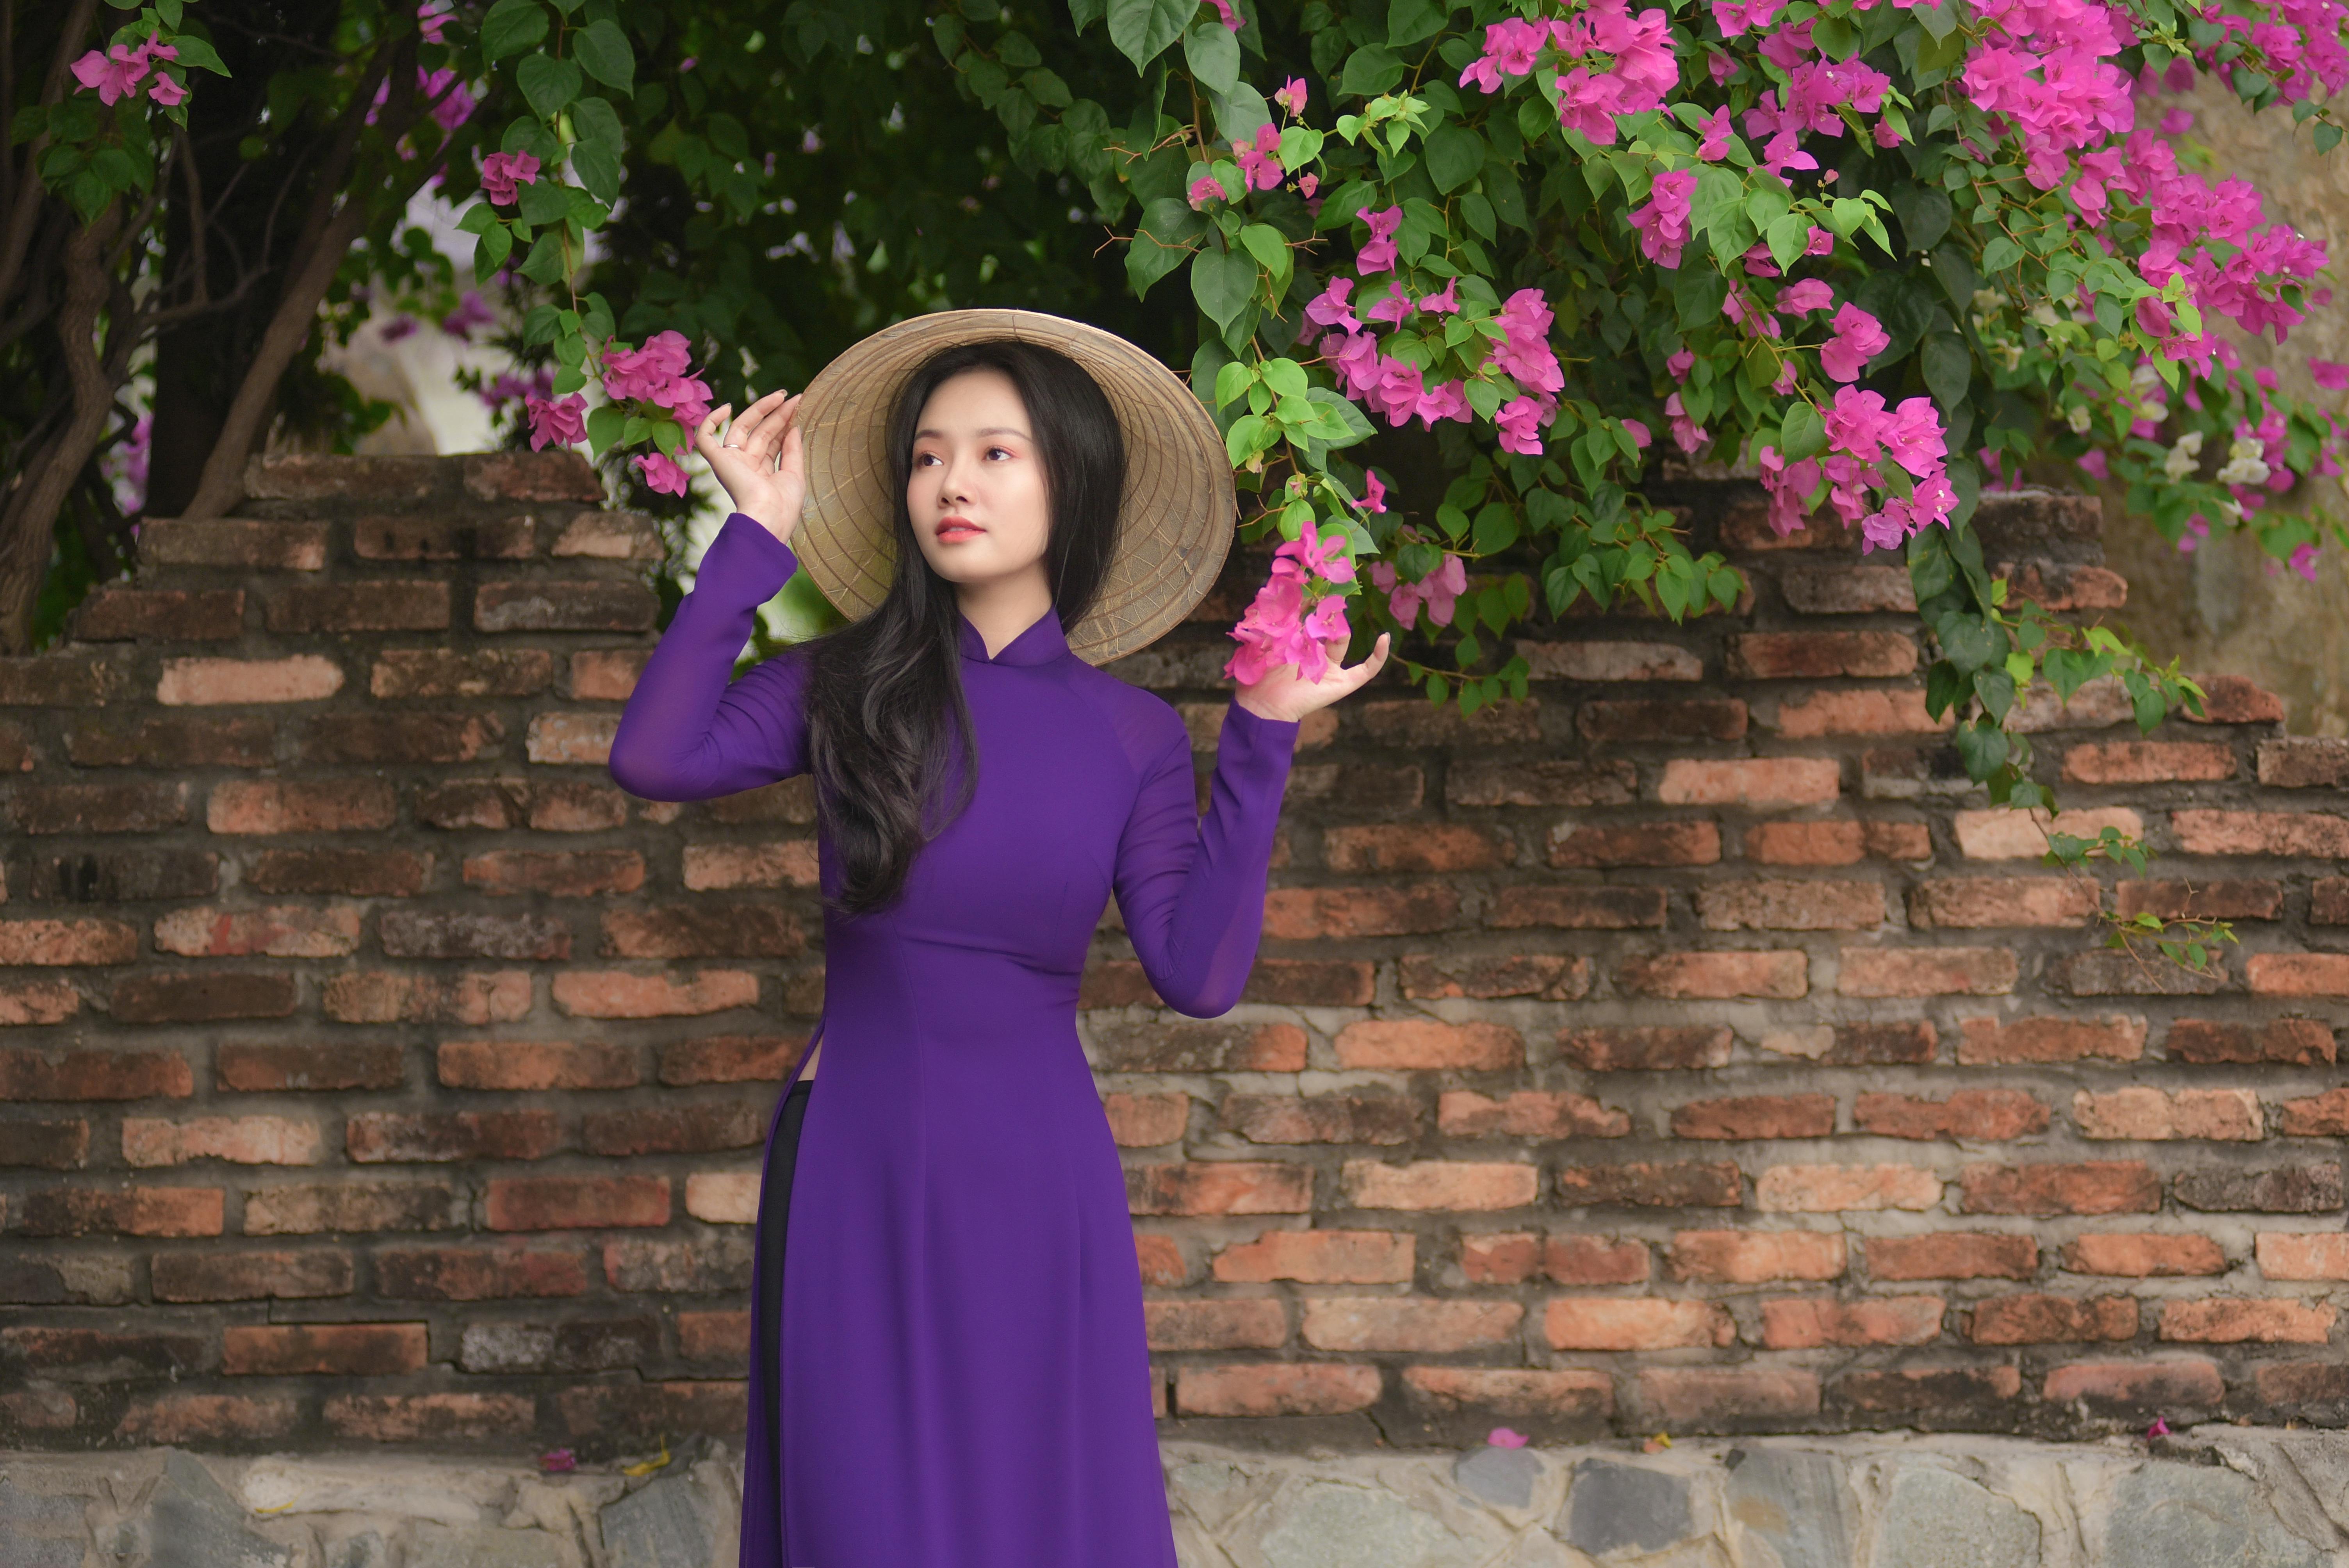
(1286, 696)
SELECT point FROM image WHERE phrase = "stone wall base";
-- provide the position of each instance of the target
(2213, 1497)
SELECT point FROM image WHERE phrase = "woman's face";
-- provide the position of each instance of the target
(976, 492)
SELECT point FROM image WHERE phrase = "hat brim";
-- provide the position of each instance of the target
(1176, 519)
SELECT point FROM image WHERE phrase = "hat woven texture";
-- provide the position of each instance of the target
(1174, 521)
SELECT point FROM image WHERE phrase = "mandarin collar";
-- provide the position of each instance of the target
(1042, 643)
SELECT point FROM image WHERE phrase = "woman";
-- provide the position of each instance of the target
(950, 1369)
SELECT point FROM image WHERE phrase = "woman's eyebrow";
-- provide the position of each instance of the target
(989, 430)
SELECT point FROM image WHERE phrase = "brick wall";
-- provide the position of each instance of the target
(1684, 1049)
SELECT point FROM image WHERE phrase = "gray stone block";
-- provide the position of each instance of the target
(1797, 1502)
(40, 1530)
(189, 1521)
(1328, 1524)
(1936, 1520)
(1505, 1475)
(1611, 1506)
(2199, 1516)
(658, 1526)
(484, 1546)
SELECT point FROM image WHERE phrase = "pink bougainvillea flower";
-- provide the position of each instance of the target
(1292, 96)
(1641, 437)
(115, 73)
(1226, 16)
(2332, 375)
(1913, 436)
(562, 423)
(1588, 102)
(1392, 306)
(1374, 491)
(1448, 400)
(1329, 308)
(1206, 189)
(1713, 133)
(502, 171)
(1820, 241)
(1858, 339)
(1261, 169)
(1524, 353)
(1510, 48)
(472, 311)
(558, 1461)
(661, 473)
(2095, 464)
(1663, 220)
(1503, 1438)
(1444, 302)
(1687, 435)
(1680, 363)
(1520, 422)
(168, 90)
(433, 19)
(1378, 252)
(1400, 388)
(1805, 296)
(2303, 561)
(1306, 185)
(1323, 555)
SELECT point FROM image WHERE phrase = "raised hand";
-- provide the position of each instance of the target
(761, 461)
(1286, 694)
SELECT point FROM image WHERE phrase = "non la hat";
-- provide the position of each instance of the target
(1174, 521)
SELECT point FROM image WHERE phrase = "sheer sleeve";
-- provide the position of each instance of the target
(690, 731)
(1190, 888)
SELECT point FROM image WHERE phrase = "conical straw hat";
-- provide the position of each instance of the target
(1174, 523)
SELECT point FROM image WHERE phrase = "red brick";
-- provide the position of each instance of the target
(1395, 1324)
(378, 738)
(2308, 835)
(729, 1058)
(698, 1129)
(2298, 1255)
(534, 1066)
(377, 1138)
(148, 1142)
(1813, 655)
(1526, 1397)
(607, 675)
(567, 873)
(713, 867)
(268, 1069)
(488, 803)
(251, 1276)
(1843, 1189)
(2304, 1385)
(200, 998)
(1708, 1399)
(1937, 1395)
(1277, 1388)
(1857, 1044)
(60, 679)
(2237, 900)
(1755, 1258)
(1838, 842)
(2323, 1115)
(1872, 710)
(306, 805)
(2058, 588)
(572, 739)
(117, 614)
(429, 1418)
(433, 537)
(173, 740)
(479, 1274)
(2309, 1188)
(1439, 1185)
(1577, 1259)
(308, 476)
(723, 1197)
(1160, 1259)
(441, 934)
(1786, 905)
(1595, 847)
(376, 605)
(2148, 762)
(1686, 1185)
(2004, 833)
(1405, 1043)
(1928, 972)
(1470, 780)
(590, 994)
(1219, 1187)
(1311, 982)
(42, 1002)
(1554, 976)
(1952, 1254)
(199, 1421)
(1635, 1322)
(1594, 663)
(1809, 1323)
(1199, 1048)
(420, 673)
(81, 1073)
(98, 808)
(101, 1355)
(1991, 1042)
(279, 931)
(1846, 590)
(1756, 1116)
(2290, 1042)
(2298, 973)
(349, 1205)
(2304, 761)
(2089, 1187)
(2031, 1319)
(1717, 975)
(576, 1203)
(2237, 1321)
(1745, 525)
(1528, 1113)
(702, 931)
(2233, 699)
(45, 1145)
(1645, 1047)
(1416, 722)
(1759, 783)
(218, 682)
(2328, 900)
(1414, 847)
(576, 807)
(360, 873)
(122, 1212)
(2143, 1254)
(532, 476)
(1146, 1121)
(2116, 1387)
(1685, 721)
(1973, 903)
(532, 605)
(121, 875)
(1969, 1113)
(1303, 913)
(2141, 1111)
(500, 996)
(645, 1411)
(714, 1337)
(1318, 1257)
(790, 801)
(1323, 1118)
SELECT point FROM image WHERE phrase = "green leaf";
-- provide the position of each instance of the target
(598, 169)
(1956, 274)
(1788, 236)
(1337, 406)
(1996, 690)
(1982, 747)
(1143, 28)
(544, 262)
(1969, 642)
(1455, 155)
(1802, 433)
(1409, 21)
(543, 200)
(1232, 381)
(512, 26)
(1271, 251)
(1160, 245)
(194, 52)
(1924, 214)
(594, 119)
(1223, 282)
(548, 83)
(603, 52)
(1239, 112)
(2069, 669)
(1940, 20)
(1213, 52)
(497, 245)
(1370, 71)
(2000, 254)
(2326, 135)
(605, 426)
(1948, 367)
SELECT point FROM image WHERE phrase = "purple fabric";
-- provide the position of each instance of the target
(960, 1377)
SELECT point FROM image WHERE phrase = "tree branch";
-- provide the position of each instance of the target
(24, 201)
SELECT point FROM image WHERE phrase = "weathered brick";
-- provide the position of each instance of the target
(354, 1206)
(1745, 525)
(533, 1066)
(2142, 1255)
(1991, 1042)
(2289, 1042)
(118, 613)
(714, 1337)
(2132, 973)
(270, 1068)
(498, 1272)
(150, 1141)
(723, 1197)
(395, 739)
(455, 804)
(1404, 1044)
(189, 997)
(559, 475)
(2323, 1115)
(301, 805)
(1415, 721)
(218, 682)
(565, 807)
(2059, 587)
(1472, 780)
(1439, 1185)
(122, 1212)
(2298, 973)
(2308, 835)
(421, 673)
(500, 996)
(1146, 1121)
(710, 867)
(1845, 1189)
(98, 808)
(559, 873)
(2242, 1320)
(1813, 655)
(1969, 1113)
(360, 873)
(2328, 901)
(672, 1129)
(1691, 719)
(2305, 762)
(702, 931)
(591, 994)
(1846, 590)
(1322, 1119)
(576, 1202)
(2298, 1255)
(198, 1420)
(1856, 1045)
(609, 536)
(1810, 1323)
(1715, 975)
(1931, 1397)
(278, 930)
(543, 605)
(572, 739)
(1528, 1113)
(1635, 1322)
(172, 740)
(1645, 1047)
(2142, 1111)
(401, 1137)
(1593, 846)
(698, 1267)
(2090, 1187)
(2148, 762)
(1300, 914)
(2132, 1387)
(1976, 903)
(2229, 900)
(642, 1412)
(1393, 1324)
(1789, 906)
(572, 1345)
(2233, 699)
(1758, 783)
(45, 1145)
(1836, 842)
(1277, 1388)
(306, 1275)
(1927, 971)
(42, 1002)
(1414, 847)
(793, 801)
(2003, 833)
(436, 537)
(1570, 1395)
(1190, 1047)
(234, 541)
(1603, 662)
(1756, 1116)
(1219, 1187)
(1645, 1184)
(100, 1354)
(2304, 1387)
(1755, 1258)
(1867, 710)
(376, 604)
(729, 1058)
(1318, 1257)
(1428, 976)
(2029, 1317)
(67, 1278)
(1710, 1399)
(2290, 1189)
(1913, 773)
(52, 943)
(1311, 982)
(447, 933)
(1952, 1254)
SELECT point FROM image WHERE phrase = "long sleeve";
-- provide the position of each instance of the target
(690, 731)
(1190, 888)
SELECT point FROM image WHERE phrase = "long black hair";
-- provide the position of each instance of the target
(887, 724)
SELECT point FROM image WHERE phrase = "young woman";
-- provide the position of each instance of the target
(948, 1368)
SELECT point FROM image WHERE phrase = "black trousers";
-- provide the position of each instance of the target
(774, 1209)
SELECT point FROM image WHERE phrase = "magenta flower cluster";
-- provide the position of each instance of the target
(114, 73)
(1296, 618)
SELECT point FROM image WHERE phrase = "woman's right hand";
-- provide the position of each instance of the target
(761, 461)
